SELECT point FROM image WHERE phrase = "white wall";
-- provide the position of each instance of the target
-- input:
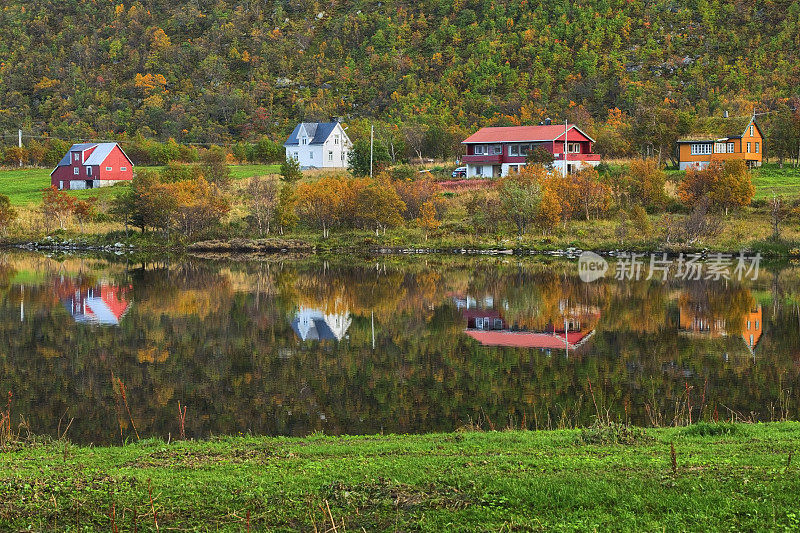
(328, 155)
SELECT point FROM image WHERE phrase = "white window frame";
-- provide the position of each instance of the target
(123, 169)
(77, 156)
(495, 149)
(573, 148)
(335, 139)
(88, 171)
(311, 154)
(701, 148)
(60, 185)
(513, 149)
(751, 130)
(720, 148)
(109, 169)
(757, 147)
(76, 171)
(479, 149)
(330, 155)
(304, 140)
(749, 146)
(731, 147)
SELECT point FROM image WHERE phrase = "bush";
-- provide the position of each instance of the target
(614, 433)
(709, 429)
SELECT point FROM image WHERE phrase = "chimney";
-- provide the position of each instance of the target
(726, 114)
(547, 121)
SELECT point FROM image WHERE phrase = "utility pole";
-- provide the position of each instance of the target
(371, 140)
(565, 148)
(19, 131)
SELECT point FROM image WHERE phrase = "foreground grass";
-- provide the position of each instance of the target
(727, 477)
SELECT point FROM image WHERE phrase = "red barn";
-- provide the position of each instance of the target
(494, 152)
(92, 165)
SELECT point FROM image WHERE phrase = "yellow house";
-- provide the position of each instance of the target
(723, 140)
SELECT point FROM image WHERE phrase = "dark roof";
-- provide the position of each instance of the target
(318, 131)
(717, 128)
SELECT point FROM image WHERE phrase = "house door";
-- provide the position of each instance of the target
(496, 171)
(89, 184)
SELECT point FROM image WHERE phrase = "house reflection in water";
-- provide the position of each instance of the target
(573, 327)
(696, 318)
(314, 325)
(102, 303)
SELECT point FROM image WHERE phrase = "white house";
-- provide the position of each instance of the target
(319, 145)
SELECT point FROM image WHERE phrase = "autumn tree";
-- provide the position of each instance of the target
(415, 194)
(645, 182)
(484, 210)
(85, 210)
(521, 196)
(7, 214)
(593, 195)
(261, 196)
(214, 165)
(319, 203)
(725, 185)
(57, 205)
(378, 205)
(540, 156)
(285, 214)
(427, 219)
(197, 205)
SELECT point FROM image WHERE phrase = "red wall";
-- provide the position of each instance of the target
(116, 159)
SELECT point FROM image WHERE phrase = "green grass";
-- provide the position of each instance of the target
(770, 179)
(24, 187)
(725, 480)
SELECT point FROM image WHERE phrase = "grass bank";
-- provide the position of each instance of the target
(721, 477)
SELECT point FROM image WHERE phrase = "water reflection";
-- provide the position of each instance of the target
(401, 345)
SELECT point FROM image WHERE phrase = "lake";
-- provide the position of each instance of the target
(108, 348)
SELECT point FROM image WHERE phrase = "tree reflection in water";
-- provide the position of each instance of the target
(399, 345)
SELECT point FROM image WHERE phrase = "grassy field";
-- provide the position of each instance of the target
(770, 180)
(723, 478)
(24, 187)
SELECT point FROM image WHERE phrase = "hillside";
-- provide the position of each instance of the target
(216, 70)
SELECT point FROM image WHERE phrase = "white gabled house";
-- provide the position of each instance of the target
(319, 145)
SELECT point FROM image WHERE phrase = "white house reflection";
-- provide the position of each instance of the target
(314, 325)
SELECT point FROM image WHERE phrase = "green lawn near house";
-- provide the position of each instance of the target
(724, 477)
(770, 179)
(24, 186)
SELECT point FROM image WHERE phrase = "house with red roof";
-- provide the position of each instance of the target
(495, 151)
(92, 165)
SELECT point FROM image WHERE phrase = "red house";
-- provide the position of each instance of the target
(494, 152)
(92, 165)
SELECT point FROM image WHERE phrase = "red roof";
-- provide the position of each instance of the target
(526, 339)
(526, 134)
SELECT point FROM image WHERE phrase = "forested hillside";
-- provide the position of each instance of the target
(633, 72)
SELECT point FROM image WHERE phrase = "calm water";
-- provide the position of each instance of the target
(395, 345)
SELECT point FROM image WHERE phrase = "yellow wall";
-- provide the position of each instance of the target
(740, 149)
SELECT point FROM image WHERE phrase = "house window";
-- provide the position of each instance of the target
(513, 149)
(110, 169)
(296, 156)
(305, 140)
(513, 168)
(479, 149)
(574, 148)
(751, 130)
(756, 324)
(77, 156)
(88, 171)
(495, 149)
(719, 148)
(730, 148)
(748, 148)
(76, 171)
(344, 154)
(311, 155)
(60, 185)
(756, 147)
(335, 139)
(498, 323)
(701, 149)
(330, 156)
(123, 169)
(748, 324)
